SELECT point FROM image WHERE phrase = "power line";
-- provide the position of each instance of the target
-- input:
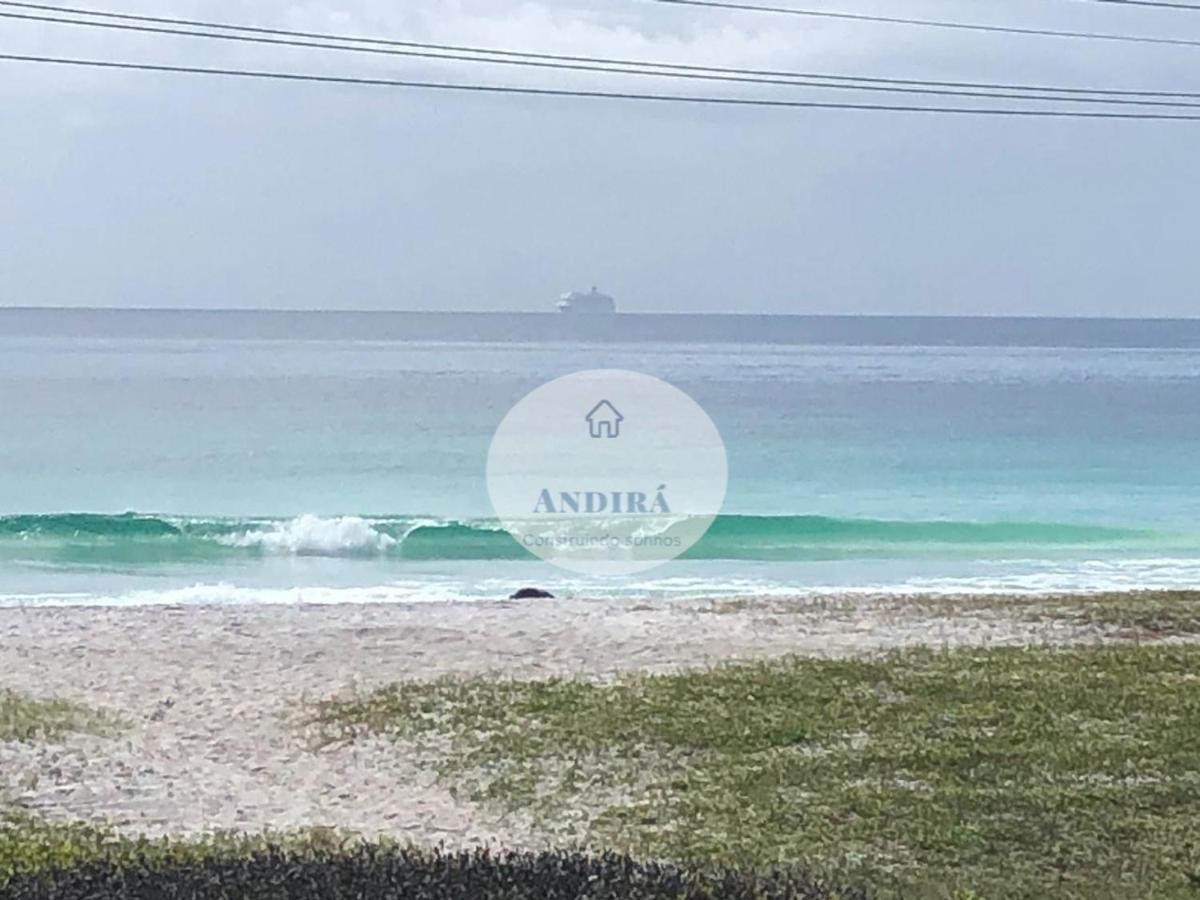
(492, 51)
(602, 95)
(1163, 4)
(935, 23)
(793, 81)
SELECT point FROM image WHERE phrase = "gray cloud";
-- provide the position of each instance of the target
(146, 190)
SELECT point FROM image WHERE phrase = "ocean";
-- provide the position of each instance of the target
(226, 457)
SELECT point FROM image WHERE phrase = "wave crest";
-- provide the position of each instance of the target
(137, 538)
(310, 535)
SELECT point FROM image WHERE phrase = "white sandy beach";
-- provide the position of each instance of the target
(210, 695)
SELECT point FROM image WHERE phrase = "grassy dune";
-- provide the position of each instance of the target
(24, 718)
(991, 773)
(1138, 615)
(56, 862)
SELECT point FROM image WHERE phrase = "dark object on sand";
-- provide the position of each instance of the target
(531, 594)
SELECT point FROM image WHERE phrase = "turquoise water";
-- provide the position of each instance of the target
(231, 467)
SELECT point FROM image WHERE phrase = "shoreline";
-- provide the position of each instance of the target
(210, 697)
(198, 598)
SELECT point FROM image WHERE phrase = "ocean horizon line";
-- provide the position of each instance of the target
(532, 326)
(554, 314)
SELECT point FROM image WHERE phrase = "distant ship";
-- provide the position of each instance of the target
(591, 303)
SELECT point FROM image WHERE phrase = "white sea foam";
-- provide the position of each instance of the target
(225, 594)
(310, 535)
(494, 582)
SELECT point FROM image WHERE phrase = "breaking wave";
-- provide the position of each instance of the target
(310, 535)
(131, 538)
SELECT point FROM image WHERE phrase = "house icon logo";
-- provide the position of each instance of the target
(604, 421)
(630, 474)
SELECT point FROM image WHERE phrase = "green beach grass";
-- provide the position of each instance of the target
(1146, 615)
(1125, 615)
(55, 862)
(30, 844)
(24, 718)
(970, 774)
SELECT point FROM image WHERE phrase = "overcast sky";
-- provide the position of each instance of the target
(130, 189)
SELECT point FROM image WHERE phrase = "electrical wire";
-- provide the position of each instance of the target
(603, 95)
(611, 69)
(600, 60)
(934, 23)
